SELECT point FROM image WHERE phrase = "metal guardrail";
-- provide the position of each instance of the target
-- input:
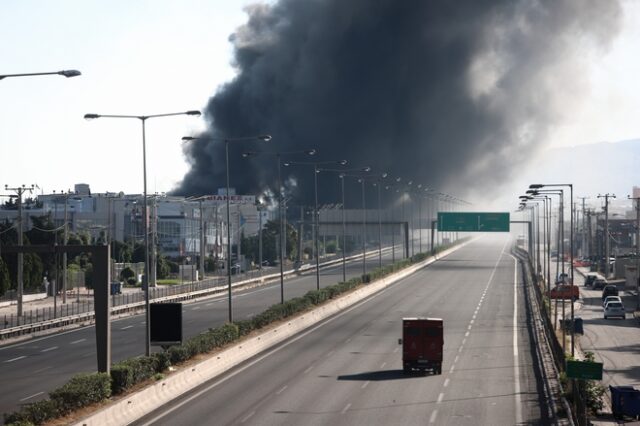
(131, 302)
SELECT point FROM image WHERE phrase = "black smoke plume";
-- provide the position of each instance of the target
(453, 94)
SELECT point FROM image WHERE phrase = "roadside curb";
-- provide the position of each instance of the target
(140, 403)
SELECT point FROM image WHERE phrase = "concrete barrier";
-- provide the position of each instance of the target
(140, 403)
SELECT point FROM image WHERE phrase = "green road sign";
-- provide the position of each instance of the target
(584, 370)
(473, 222)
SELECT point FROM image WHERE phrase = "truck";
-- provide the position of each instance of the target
(422, 345)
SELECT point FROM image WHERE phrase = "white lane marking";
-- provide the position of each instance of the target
(330, 353)
(383, 364)
(42, 369)
(440, 398)
(308, 369)
(396, 350)
(31, 396)
(282, 389)
(472, 320)
(143, 323)
(247, 417)
(464, 341)
(262, 357)
(452, 368)
(460, 349)
(466, 335)
(456, 359)
(348, 340)
(16, 359)
(516, 367)
(344, 410)
(52, 348)
(208, 304)
(365, 384)
(77, 341)
(127, 327)
(432, 419)
(195, 308)
(446, 383)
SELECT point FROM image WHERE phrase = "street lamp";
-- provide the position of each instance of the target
(264, 138)
(315, 210)
(280, 202)
(341, 176)
(143, 119)
(65, 73)
(570, 185)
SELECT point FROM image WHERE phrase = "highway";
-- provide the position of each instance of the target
(35, 367)
(347, 370)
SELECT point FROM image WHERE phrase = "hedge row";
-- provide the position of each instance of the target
(82, 390)
(86, 389)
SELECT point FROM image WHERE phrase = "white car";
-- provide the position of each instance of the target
(611, 299)
(614, 309)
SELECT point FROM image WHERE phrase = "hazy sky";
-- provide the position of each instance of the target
(148, 57)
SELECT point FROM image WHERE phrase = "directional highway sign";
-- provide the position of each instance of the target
(473, 222)
(584, 370)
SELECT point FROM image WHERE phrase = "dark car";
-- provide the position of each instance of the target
(610, 290)
(589, 279)
(599, 284)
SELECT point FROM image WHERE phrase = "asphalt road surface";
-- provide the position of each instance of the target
(347, 370)
(33, 368)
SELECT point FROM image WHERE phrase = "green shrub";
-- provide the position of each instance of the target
(34, 413)
(82, 390)
(244, 327)
(178, 354)
(135, 370)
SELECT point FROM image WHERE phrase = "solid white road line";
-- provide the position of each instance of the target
(516, 366)
(247, 417)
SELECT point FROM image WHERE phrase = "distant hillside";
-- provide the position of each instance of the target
(612, 167)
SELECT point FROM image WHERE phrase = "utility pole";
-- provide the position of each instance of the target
(19, 191)
(637, 200)
(606, 231)
(203, 233)
(583, 242)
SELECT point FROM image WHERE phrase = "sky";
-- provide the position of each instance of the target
(150, 57)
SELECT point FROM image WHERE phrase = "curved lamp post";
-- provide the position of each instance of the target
(143, 119)
(315, 210)
(65, 73)
(264, 138)
(279, 155)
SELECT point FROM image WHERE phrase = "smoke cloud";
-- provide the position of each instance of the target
(453, 94)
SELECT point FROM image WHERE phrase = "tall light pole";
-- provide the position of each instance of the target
(264, 138)
(283, 230)
(637, 200)
(315, 210)
(342, 174)
(570, 185)
(607, 249)
(143, 119)
(64, 73)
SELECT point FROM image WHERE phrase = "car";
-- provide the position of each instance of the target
(599, 284)
(562, 278)
(611, 299)
(564, 291)
(609, 290)
(590, 278)
(614, 309)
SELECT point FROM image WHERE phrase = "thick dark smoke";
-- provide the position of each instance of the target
(453, 94)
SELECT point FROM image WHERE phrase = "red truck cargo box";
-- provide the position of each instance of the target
(422, 344)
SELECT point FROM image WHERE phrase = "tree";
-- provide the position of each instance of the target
(5, 279)
(121, 252)
(270, 243)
